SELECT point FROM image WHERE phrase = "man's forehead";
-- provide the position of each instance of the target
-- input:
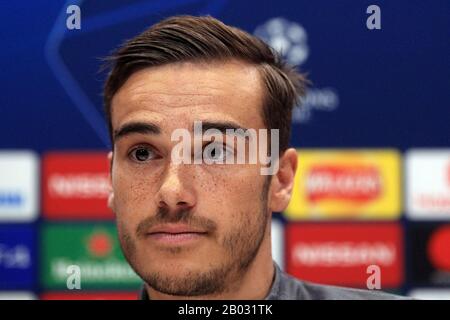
(232, 89)
(183, 72)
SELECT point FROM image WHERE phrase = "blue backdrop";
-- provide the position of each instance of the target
(370, 88)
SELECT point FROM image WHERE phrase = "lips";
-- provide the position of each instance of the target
(175, 234)
(174, 230)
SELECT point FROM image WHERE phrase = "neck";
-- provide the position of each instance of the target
(254, 284)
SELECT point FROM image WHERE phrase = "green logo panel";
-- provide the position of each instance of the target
(95, 251)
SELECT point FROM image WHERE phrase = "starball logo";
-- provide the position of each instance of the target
(290, 39)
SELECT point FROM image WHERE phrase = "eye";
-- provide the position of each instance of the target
(217, 152)
(142, 154)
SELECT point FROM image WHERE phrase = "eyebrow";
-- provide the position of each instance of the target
(136, 127)
(223, 126)
(151, 128)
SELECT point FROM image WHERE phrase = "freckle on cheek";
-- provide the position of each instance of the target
(138, 192)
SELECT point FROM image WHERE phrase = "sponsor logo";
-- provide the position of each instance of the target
(336, 254)
(17, 256)
(83, 186)
(341, 253)
(290, 39)
(100, 244)
(93, 248)
(428, 184)
(11, 199)
(429, 254)
(346, 184)
(287, 37)
(349, 183)
(439, 248)
(18, 186)
(76, 186)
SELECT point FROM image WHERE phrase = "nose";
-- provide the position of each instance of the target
(176, 191)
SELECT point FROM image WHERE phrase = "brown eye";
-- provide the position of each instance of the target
(142, 154)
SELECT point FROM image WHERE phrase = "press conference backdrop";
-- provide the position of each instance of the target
(372, 192)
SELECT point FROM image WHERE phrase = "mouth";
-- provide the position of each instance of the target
(173, 234)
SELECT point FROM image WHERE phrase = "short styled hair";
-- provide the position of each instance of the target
(205, 39)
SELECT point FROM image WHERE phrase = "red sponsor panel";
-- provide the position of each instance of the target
(89, 295)
(340, 254)
(75, 185)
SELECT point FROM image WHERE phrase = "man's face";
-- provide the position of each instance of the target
(187, 229)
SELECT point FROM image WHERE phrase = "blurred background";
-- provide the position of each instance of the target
(371, 205)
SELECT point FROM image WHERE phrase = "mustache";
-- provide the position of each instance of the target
(163, 216)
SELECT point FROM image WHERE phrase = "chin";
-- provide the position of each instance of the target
(173, 265)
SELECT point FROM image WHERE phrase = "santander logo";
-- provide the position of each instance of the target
(360, 183)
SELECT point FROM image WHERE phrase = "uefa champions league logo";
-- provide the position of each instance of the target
(287, 37)
(290, 39)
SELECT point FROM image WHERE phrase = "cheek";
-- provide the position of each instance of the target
(232, 198)
(133, 194)
(242, 188)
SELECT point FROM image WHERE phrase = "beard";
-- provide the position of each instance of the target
(240, 246)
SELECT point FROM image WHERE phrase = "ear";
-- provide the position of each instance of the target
(283, 181)
(110, 191)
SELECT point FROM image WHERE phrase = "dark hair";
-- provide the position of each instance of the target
(203, 39)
